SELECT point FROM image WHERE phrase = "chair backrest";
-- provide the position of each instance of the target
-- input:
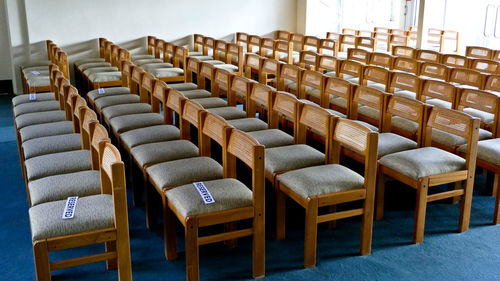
(289, 72)
(168, 52)
(349, 31)
(337, 87)
(404, 52)
(348, 40)
(478, 52)
(352, 68)
(147, 87)
(434, 36)
(485, 66)
(333, 36)
(381, 59)
(429, 56)
(253, 41)
(212, 127)
(283, 35)
(240, 87)
(284, 105)
(377, 74)
(485, 102)
(434, 70)
(496, 55)
(270, 67)
(221, 84)
(311, 43)
(468, 77)
(260, 95)
(286, 48)
(492, 83)
(439, 90)
(298, 41)
(207, 72)
(151, 41)
(53, 69)
(367, 43)
(266, 48)
(197, 42)
(253, 63)
(87, 117)
(180, 57)
(317, 119)
(397, 40)
(241, 38)
(328, 63)
(406, 64)
(220, 51)
(372, 98)
(97, 134)
(360, 55)
(329, 47)
(235, 56)
(455, 60)
(208, 45)
(409, 109)
(309, 59)
(159, 49)
(312, 79)
(127, 68)
(136, 79)
(71, 94)
(102, 46)
(192, 67)
(190, 116)
(405, 81)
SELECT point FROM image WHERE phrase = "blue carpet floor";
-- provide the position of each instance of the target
(444, 255)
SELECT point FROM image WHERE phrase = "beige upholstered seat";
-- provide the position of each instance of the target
(34, 73)
(228, 112)
(391, 143)
(40, 97)
(84, 66)
(141, 57)
(423, 162)
(105, 76)
(248, 124)
(370, 126)
(196, 94)
(167, 72)
(369, 112)
(292, 157)
(126, 123)
(79, 62)
(227, 193)
(60, 187)
(92, 213)
(336, 113)
(51, 144)
(125, 109)
(153, 66)
(485, 117)
(31, 119)
(106, 92)
(149, 134)
(32, 107)
(378, 86)
(183, 86)
(114, 100)
(404, 124)
(140, 62)
(324, 179)
(439, 103)
(57, 163)
(211, 102)
(487, 150)
(183, 171)
(38, 81)
(44, 130)
(228, 67)
(339, 101)
(157, 152)
(272, 138)
(405, 93)
(450, 140)
(96, 70)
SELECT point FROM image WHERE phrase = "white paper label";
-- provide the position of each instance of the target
(36, 73)
(101, 91)
(32, 97)
(204, 193)
(69, 208)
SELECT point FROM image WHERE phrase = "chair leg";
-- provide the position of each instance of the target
(150, 204)
(380, 196)
(228, 227)
(111, 247)
(332, 224)
(455, 186)
(42, 264)
(280, 215)
(123, 256)
(367, 225)
(494, 192)
(192, 267)
(311, 231)
(169, 232)
(496, 185)
(463, 224)
(420, 208)
(259, 246)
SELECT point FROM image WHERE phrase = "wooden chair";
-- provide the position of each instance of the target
(309, 60)
(289, 79)
(312, 85)
(428, 166)
(406, 65)
(285, 53)
(253, 45)
(333, 36)
(485, 66)
(351, 71)
(329, 65)
(376, 77)
(266, 48)
(405, 84)
(298, 41)
(455, 60)
(338, 96)
(305, 187)
(346, 40)
(483, 105)
(382, 36)
(381, 59)
(439, 93)
(242, 40)
(397, 38)
(253, 63)
(366, 43)
(329, 47)
(478, 52)
(311, 43)
(283, 35)
(359, 55)
(239, 90)
(368, 106)
(468, 78)
(434, 71)
(435, 38)
(197, 45)
(492, 83)
(428, 56)
(269, 71)
(453, 36)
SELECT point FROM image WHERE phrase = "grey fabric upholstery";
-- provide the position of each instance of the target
(292, 157)
(141, 62)
(40, 97)
(405, 93)
(79, 62)
(423, 162)
(319, 180)
(203, 58)
(227, 193)
(338, 101)
(314, 93)
(141, 57)
(40, 69)
(211, 102)
(125, 109)
(51, 144)
(391, 143)
(84, 66)
(57, 163)
(91, 213)
(153, 66)
(439, 103)
(34, 73)
(168, 72)
(157, 152)
(292, 85)
(248, 124)
(214, 62)
(150, 134)
(487, 150)
(184, 171)
(32, 107)
(35, 63)
(45, 130)
(102, 69)
(104, 102)
(272, 138)
(485, 117)
(368, 125)
(197, 94)
(126, 123)
(451, 140)
(375, 85)
(111, 91)
(228, 112)
(38, 81)
(404, 124)
(30, 119)
(183, 86)
(369, 112)
(193, 53)
(60, 187)
(228, 67)
(105, 76)
(336, 113)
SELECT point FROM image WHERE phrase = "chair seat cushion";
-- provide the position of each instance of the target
(57, 163)
(79, 62)
(30, 119)
(111, 112)
(292, 157)
(272, 138)
(126, 123)
(153, 66)
(45, 130)
(203, 58)
(167, 72)
(423, 162)
(196, 94)
(184, 171)
(34, 72)
(485, 117)
(228, 67)
(195, 53)
(248, 124)
(107, 101)
(38, 81)
(405, 93)
(375, 85)
(40, 97)
(141, 57)
(211, 102)
(60, 187)
(319, 180)
(35, 63)
(150, 134)
(391, 143)
(92, 213)
(487, 150)
(32, 107)
(369, 112)
(157, 152)
(106, 92)
(140, 62)
(439, 103)
(214, 62)
(227, 193)
(338, 101)
(368, 125)
(183, 86)
(336, 113)
(450, 140)
(404, 124)
(105, 76)
(228, 112)
(52, 144)
(101, 69)
(88, 65)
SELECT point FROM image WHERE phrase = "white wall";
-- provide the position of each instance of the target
(5, 57)
(74, 25)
